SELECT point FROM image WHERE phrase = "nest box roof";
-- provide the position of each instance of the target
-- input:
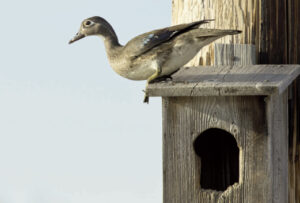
(227, 80)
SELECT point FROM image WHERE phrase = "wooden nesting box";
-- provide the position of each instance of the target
(225, 133)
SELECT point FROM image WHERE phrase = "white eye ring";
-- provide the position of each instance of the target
(88, 23)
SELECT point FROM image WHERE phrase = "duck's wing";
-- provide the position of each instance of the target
(147, 41)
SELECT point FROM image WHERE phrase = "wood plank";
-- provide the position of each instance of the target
(277, 117)
(227, 80)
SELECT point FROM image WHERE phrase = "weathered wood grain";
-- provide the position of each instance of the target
(294, 135)
(273, 39)
(227, 80)
(294, 142)
(293, 31)
(277, 121)
(234, 54)
(184, 118)
(264, 153)
(264, 24)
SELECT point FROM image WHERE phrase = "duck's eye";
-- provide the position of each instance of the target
(88, 23)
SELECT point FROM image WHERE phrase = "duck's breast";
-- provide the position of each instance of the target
(134, 70)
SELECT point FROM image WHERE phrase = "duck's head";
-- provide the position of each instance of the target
(94, 26)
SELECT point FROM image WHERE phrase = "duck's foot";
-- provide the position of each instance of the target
(146, 99)
(162, 78)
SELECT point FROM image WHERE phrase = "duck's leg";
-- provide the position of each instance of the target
(149, 80)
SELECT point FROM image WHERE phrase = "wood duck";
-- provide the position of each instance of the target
(154, 54)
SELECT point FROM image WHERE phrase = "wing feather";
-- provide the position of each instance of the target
(147, 41)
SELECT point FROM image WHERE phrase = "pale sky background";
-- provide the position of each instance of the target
(72, 130)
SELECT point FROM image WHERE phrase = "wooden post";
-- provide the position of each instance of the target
(273, 26)
(293, 54)
(264, 24)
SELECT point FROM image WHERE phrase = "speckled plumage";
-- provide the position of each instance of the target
(153, 54)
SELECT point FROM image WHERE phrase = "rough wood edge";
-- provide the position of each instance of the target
(207, 88)
(277, 117)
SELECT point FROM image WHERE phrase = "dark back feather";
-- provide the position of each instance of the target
(147, 41)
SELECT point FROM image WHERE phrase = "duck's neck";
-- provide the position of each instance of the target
(111, 42)
(113, 47)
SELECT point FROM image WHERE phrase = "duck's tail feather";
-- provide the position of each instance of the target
(215, 32)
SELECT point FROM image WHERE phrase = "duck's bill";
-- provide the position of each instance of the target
(78, 36)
